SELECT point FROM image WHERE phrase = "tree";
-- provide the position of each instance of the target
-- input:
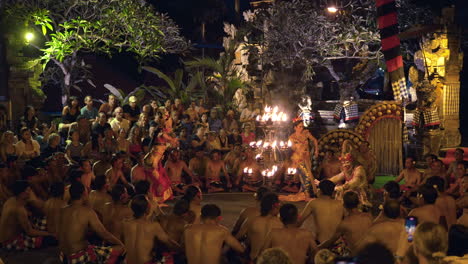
(74, 28)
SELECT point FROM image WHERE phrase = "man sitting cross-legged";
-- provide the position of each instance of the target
(204, 242)
(16, 231)
(174, 167)
(297, 242)
(258, 229)
(139, 235)
(352, 228)
(53, 205)
(76, 220)
(100, 196)
(326, 211)
(116, 211)
(214, 169)
(249, 213)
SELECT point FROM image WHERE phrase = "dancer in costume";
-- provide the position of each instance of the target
(363, 155)
(160, 182)
(353, 178)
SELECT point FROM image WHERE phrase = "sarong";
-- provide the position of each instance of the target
(94, 254)
(23, 242)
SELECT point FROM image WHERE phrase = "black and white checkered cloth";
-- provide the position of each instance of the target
(337, 111)
(92, 254)
(400, 91)
(351, 112)
(23, 243)
(430, 117)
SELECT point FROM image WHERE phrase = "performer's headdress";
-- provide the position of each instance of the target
(346, 158)
(298, 118)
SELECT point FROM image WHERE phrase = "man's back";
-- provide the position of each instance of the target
(327, 214)
(97, 200)
(9, 226)
(174, 227)
(447, 208)
(52, 208)
(386, 232)
(113, 216)
(138, 237)
(426, 213)
(203, 243)
(72, 228)
(354, 227)
(295, 241)
(258, 231)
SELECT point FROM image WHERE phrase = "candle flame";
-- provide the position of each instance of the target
(289, 143)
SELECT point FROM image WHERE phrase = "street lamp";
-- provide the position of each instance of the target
(29, 36)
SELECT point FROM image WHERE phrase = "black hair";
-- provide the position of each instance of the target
(19, 187)
(215, 151)
(117, 192)
(114, 159)
(411, 157)
(327, 187)
(210, 211)
(460, 150)
(28, 171)
(267, 203)
(57, 189)
(457, 240)
(71, 99)
(190, 193)
(391, 209)
(261, 191)
(288, 214)
(26, 110)
(74, 175)
(350, 200)
(139, 205)
(76, 191)
(79, 117)
(375, 253)
(436, 181)
(429, 193)
(142, 187)
(83, 160)
(181, 207)
(393, 189)
(100, 182)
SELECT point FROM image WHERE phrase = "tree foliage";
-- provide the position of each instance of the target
(73, 28)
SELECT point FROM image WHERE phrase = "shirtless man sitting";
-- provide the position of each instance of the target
(198, 163)
(53, 206)
(88, 174)
(326, 211)
(76, 220)
(232, 160)
(16, 231)
(353, 227)
(117, 211)
(143, 188)
(388, 230)
(250, 213)
(436, 168)
(175, 223)
(258, 229)
(99, 197)
(214, 168)
(427, 211)
(253, 179)
(204, 242)
(174, 167)
(297, 242)
(410, 174)
(330, 165)
(139, 235)
(115, 173)
(445, 203)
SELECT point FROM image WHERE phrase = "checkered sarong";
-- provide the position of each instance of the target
(39, 223)
(94, 254)
(351, 112)
(337, 111)
(23, 243)
(400, 91)
(430, 117)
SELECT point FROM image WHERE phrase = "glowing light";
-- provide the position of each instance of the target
(29, 36)
(289, 143)
(332, 9)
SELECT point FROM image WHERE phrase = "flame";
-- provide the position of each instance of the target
(275, 109)
(258, 118)
(284, 118)
(259, 143)
(266, 144)
(252, 143)
(246, 169)
(274, 144)
(289, 143)
(281, 144)
(250, 170)
(258, 156)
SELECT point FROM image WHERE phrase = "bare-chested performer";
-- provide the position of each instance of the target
(232, 161)
(253, 179)
(138, 172)
(427, 211)
(117, 211)
(99, 197)
(101, 166)
(193, 196)
(214, 169)
(326, 211)
(53, 206)
(250, 213)
(88, 174)
(297, 242)
(204, 242)
(115, 173)
(174, 167)
(16, 231)
(352, 229)
(445, 203)
(143, 188)
(198, 163)
(410, 174)
(388, 230)
(76, 220)
(139, 235)
(330, 165)
(436, 168)
(175, 223)
(258, 229)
